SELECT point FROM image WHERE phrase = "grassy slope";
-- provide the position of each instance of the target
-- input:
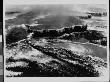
(49, 61)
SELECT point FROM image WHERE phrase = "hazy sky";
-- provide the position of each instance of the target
(74, 6)
(56, 1)
(59, 8)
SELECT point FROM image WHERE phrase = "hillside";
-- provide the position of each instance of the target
(43, 61)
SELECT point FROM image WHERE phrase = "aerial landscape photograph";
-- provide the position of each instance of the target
(56, 40)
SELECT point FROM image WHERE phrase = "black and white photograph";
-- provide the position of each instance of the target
(56, 40)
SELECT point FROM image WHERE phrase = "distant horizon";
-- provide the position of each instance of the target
(73, 6)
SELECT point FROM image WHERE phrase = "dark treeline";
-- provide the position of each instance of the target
(98, 14)
(91, 36)
(66, 33)
(75, 33)
(18, 33)
(57, 32)
(85, 17)
(72, 33)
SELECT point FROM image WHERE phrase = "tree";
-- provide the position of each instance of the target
(15, 34)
